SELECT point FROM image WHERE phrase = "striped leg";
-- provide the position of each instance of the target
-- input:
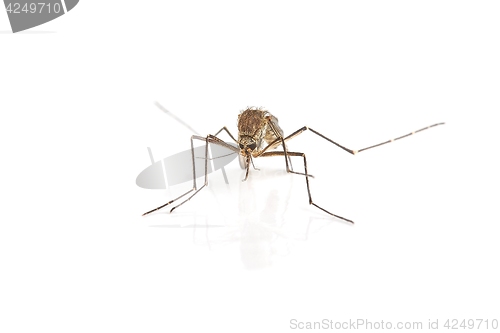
(354, 152)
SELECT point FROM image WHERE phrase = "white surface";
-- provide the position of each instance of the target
(78, 114)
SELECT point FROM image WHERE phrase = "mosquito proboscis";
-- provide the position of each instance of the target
(258, 135)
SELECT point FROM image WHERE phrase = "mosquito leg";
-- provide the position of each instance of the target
(227, 131)
(283, 153)
(168, 203)
(232, 137)
(287, 159)
(278, 133)
(213, 139)
(351, 151)
(194, 174)
(280, 153)
(209, 139)
(191, 190)
(206, 176)
(290, 161)
(253, 165)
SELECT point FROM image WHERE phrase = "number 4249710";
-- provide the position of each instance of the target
(34, 7)
(455, 324)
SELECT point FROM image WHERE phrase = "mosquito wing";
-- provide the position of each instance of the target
(178, 168)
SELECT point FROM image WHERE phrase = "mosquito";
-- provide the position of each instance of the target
(259, 134)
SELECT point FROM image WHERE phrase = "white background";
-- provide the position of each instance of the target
(77, 100)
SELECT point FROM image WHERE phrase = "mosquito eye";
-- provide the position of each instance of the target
(252, 146)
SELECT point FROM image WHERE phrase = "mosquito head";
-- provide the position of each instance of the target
(247, 145)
